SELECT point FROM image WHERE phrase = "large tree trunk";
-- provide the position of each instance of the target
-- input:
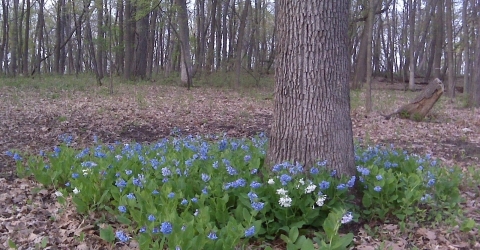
(312, 106)
(419, 107)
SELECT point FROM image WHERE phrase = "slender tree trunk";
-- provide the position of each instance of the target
(241, 34)
(185, 59)
(3, 46)
(369, 27)
(78, 36)
(411, 81)
(311, 119)
(27, 39)
(129, 39)
(451, 63)
(466, 53)
(100, 38)
(151, 43)
(40, 24)
(14, 47)
(213, 26)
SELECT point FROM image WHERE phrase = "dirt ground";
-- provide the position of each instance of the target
(32, 119)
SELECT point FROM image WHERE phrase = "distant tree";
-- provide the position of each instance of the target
(312, 106)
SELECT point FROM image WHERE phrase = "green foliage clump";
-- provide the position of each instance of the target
(215, 192)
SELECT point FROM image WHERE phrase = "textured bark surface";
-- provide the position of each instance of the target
(421, 105)
(312, 106)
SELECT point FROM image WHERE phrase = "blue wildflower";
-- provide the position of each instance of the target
(75, 175)
(46, 167)
(67, 184)
(379, 177)
(120, 183)
(156, 230)
(420, 168)
(341, 186)
(351, 182)
(171, 195)
(212, 235)
(247, 158)
(431, 182)
(166, 172)
(128, 172)
(142, 229)
(205, 190)
(324, 185)
(131, 196)
(426, 197)
(377, 189)
(151, 217)
(255, 184)
(184, 202)
(333, 173)
(166, 228)
(252, 196)
(314, 171)
(67, 139)
(285, 178)
(231, 170)
(122, 236)
(155, 192)
(215, 165)
(239, 183)
(165, 180)
(17, 157)
(205, 177)
(254, 171)
(194, 200)
(250, 232)
(257, 205)
(122, 209)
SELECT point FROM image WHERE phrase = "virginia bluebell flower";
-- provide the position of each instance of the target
(314, 171)
(247, 158)
(257, 205)
(122, 236)
(250, 232)
(324, 185)
(184, 202)
(285, 178)
(254, 171)
(122, 209)
(155, 192)
(75, 175)
(377, 188)
(351, 182)
(255, 184)
(212, 235)
(194, 200)
(341, 186)
(379, 177)
(166, 228)
(205, 177)
(131, 196)
(171, 195)
(142, 229)
(231, 170)
(128, 172)
(151, 217)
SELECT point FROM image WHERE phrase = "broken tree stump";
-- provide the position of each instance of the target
(419, 107)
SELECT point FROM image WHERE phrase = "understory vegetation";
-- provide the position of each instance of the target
(214, 192)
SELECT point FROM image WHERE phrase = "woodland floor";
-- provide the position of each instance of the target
(32, 118)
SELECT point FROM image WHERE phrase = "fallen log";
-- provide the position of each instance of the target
(419, 107)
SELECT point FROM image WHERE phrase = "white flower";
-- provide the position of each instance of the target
(310, 188)
(118, 157)
(196, 212)
(285, 201)
(321, 200)
(58, 194)
(86, 171)
(271, 181)
(347, 218)
(282, 191)
(302, 181)
(76, 191)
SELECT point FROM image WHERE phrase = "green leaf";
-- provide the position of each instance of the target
(341, 242)
(293, 234)
(124, 220)
(285, 238)
(246, 214)
(81, 206)
(307, 245)
(467, 225)
(12, 244)
(366, 200)
(107, 234)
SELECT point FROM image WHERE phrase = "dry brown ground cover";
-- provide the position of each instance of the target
(32, 118)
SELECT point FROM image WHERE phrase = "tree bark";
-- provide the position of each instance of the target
(129, 39)
(369, 27)
(185, 58)
(312, 106)
(411, 82)
(27, 39)
(241, 34)
(451, 63)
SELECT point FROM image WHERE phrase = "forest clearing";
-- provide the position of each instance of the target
(35, 115)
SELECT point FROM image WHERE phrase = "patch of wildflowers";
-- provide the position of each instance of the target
(166, 172)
